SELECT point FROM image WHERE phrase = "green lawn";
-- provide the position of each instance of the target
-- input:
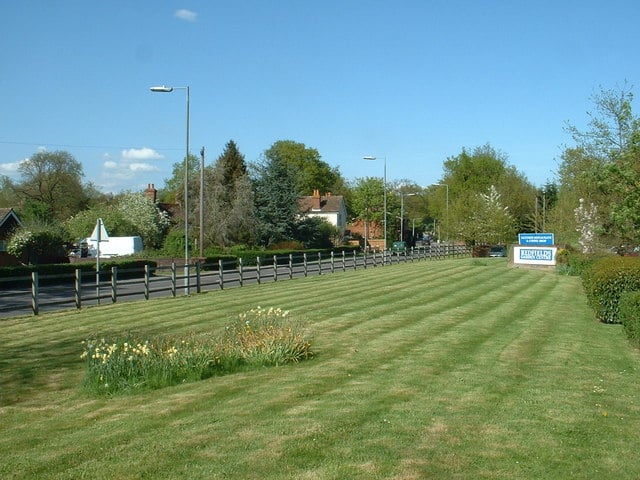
(450, 369)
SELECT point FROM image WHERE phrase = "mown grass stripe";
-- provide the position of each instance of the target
(425, 380)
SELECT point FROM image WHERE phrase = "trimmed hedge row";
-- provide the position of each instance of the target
(571, 262)
(606, 280)
(629, 315)
(66, 271)
(249, 257)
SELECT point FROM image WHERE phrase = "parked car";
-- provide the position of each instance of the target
(399, 248)
(498, 251)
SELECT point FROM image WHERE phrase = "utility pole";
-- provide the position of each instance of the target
(202, 203)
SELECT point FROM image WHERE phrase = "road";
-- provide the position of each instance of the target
(19, 301)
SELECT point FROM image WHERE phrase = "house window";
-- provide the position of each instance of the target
(3, 245)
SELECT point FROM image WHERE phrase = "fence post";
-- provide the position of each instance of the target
(98, 286)
(355, 260)
(258, 269)
(290, 266)
(332, 262)
(221, 274)
(275, 268)
(198, 285)
(241, 271)
(34, 292)
(78, 288)
(114, 284)
(304, 263)
(344, 262)
(147, 282)
(364, 257)
(173, 279)
(319, 263)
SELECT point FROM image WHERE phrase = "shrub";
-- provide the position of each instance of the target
(266, 337)
(174, 243)
(260, 337)
(134, 363)
(39, 244)
(287, 245)
(629, 315)
(571, 262)
(606, 280)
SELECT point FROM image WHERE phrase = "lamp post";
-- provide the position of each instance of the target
(402, 195)
(164, 89)
(446, 232)
(201, 204)
(384, 194)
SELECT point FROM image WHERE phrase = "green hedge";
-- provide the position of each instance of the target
(65, 272)
(249, 257)
(571, 262)
(606, 281)
(629, 315)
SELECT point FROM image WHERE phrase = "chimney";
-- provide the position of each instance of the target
(315, 200)
(151, 192)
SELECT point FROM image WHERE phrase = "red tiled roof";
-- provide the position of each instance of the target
(328, 203)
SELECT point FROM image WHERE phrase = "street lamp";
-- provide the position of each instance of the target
(402, 195)
(384, 190)
(446, 232)
(165, 89)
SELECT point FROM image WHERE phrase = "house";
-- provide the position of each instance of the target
(331, 208)
(172, 209)
(9, 221)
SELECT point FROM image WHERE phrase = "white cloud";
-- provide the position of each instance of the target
(10, 169)
(187, 15)
(143, 153)
(143, 167)
(133, 167)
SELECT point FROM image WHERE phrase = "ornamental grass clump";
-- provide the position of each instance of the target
(266, 337)
(142, 364)
(259, 337)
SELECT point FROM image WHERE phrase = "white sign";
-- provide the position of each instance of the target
(535, 255)
(99, 233)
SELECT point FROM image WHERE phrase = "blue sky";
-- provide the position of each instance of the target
(412, 81)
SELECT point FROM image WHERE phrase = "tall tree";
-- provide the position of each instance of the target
(229, 207)
(276, 199)
(602, 169)
(367, 196)
(487, 220)
(612, 127)
(310, 171)
(173, 191)
(8, 198)
(51, 186)
(130, 214)
(470, 174)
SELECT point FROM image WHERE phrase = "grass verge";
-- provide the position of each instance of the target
(450, 369)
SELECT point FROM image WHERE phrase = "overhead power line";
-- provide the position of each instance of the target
(66, 145)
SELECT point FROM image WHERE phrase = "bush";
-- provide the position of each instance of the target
(174, 243)
(58, 273)
(260, 337)
(606, 280)
(133, 363)
(629, 315)
(265, 337)
(571, 262)
(39, 244)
